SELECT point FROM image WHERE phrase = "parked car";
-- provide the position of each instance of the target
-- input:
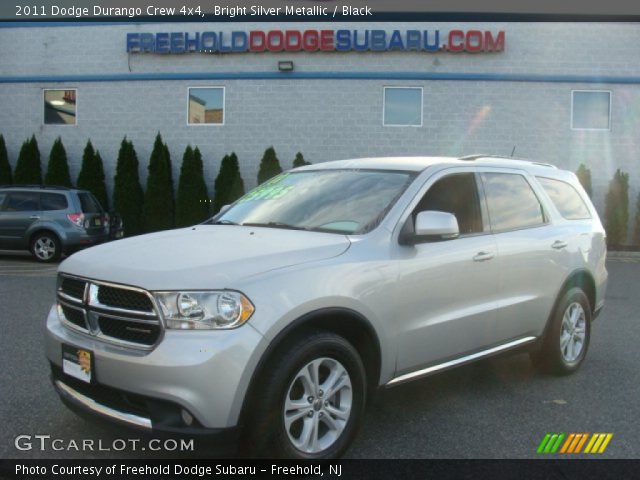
(277, 319)
(50, 221)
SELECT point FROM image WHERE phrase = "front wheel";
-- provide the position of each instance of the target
(313, 400)
(566, 342)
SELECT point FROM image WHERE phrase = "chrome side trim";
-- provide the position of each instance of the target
(90, 404)
(458, 361)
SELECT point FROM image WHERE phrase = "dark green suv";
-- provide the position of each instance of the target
(49, 221)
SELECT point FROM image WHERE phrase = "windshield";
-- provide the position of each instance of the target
(337, 201)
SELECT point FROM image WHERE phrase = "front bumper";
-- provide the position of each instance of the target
(205, 373)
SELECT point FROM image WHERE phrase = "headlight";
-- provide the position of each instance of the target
(204, 310)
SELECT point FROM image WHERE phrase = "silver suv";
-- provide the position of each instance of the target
(50, 221)
(281, 315)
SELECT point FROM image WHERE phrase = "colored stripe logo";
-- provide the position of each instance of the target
(574, 443)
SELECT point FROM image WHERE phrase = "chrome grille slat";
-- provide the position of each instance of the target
(104, 317)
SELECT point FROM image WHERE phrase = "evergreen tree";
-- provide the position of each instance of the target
(158, 201)
(269, 166)
(636, 230)
(128, 196)
(299, 161)
(228, 185)
(584, 175)
(5, 167)
(192, 202)
(58, 168)
(617, 209)
(91, 175)
(28, 170)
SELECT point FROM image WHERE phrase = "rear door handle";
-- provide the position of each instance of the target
(34, 217)
(483, 256)
(559, 245)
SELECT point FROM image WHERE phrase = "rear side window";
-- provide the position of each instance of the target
(566, 199)
(511, 201)
(3, 196)
(89, 204)
(22, 202)
(53, 201)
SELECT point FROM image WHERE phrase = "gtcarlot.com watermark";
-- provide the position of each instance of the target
(48, 443)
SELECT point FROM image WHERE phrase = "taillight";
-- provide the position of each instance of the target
(76, 218)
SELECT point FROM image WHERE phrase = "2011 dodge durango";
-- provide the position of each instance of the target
(277, 318)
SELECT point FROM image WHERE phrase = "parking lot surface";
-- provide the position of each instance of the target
(497, 408)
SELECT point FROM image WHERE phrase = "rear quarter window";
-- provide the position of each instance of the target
(89, 204)
(53, 201)
(22, 202)
(565, 198)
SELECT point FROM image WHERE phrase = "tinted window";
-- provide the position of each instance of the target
(22, 202)
(456, 194)
(89, 204)
(53, 201)
(3, 196)
(566, 199)
(511, 201)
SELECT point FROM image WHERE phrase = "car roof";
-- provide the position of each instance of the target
(40, 188)
(419, 163)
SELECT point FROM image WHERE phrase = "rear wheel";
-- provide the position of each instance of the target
(46, 247)
(313, 400)
(566, 342)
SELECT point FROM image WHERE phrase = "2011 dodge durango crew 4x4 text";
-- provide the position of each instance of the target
(280, 315)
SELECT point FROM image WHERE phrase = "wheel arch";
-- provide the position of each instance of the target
(351, 325)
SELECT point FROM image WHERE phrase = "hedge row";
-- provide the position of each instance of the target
(142, 210)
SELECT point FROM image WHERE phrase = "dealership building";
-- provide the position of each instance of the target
(563, 93)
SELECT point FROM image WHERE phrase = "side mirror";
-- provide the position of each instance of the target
(224, 209)
(430, 225)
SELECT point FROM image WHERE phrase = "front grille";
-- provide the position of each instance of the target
(75, 316)
(73, 287)
(144, 333)
(122, 298)
(121, 315)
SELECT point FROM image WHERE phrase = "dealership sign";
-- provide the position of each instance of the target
(238, 41)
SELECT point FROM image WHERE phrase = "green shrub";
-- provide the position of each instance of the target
(128, 197)
(91, 176)
(158, 200)
(299, 161)
(228, 185)
(58, 168)
(269, 166)
(636, 229)
(584, 175)
(617, 209)
(5, 167)
(192, 202)
(28, 169)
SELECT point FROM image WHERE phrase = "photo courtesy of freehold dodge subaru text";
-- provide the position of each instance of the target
(327, 282)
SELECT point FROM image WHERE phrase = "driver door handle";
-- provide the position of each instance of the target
(34, 217)
(483, 256)
(559, 244)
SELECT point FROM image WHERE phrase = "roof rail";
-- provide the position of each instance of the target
(43, 187)
(478, 156)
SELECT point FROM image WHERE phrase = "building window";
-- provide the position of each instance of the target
(590, 110)
(206, 106)
(60, 107)
(402, 107)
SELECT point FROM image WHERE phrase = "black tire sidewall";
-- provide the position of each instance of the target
(56, 242)
(552, 348)
(287, 366)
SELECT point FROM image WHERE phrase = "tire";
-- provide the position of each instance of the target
(279, 428)
(565, 344)
(46, 247)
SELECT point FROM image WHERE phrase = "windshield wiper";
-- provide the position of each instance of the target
(283, 225)
(224, 222)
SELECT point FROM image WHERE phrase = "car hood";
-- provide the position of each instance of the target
(201, 257)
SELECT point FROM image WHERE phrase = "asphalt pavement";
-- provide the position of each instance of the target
(496, 408)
